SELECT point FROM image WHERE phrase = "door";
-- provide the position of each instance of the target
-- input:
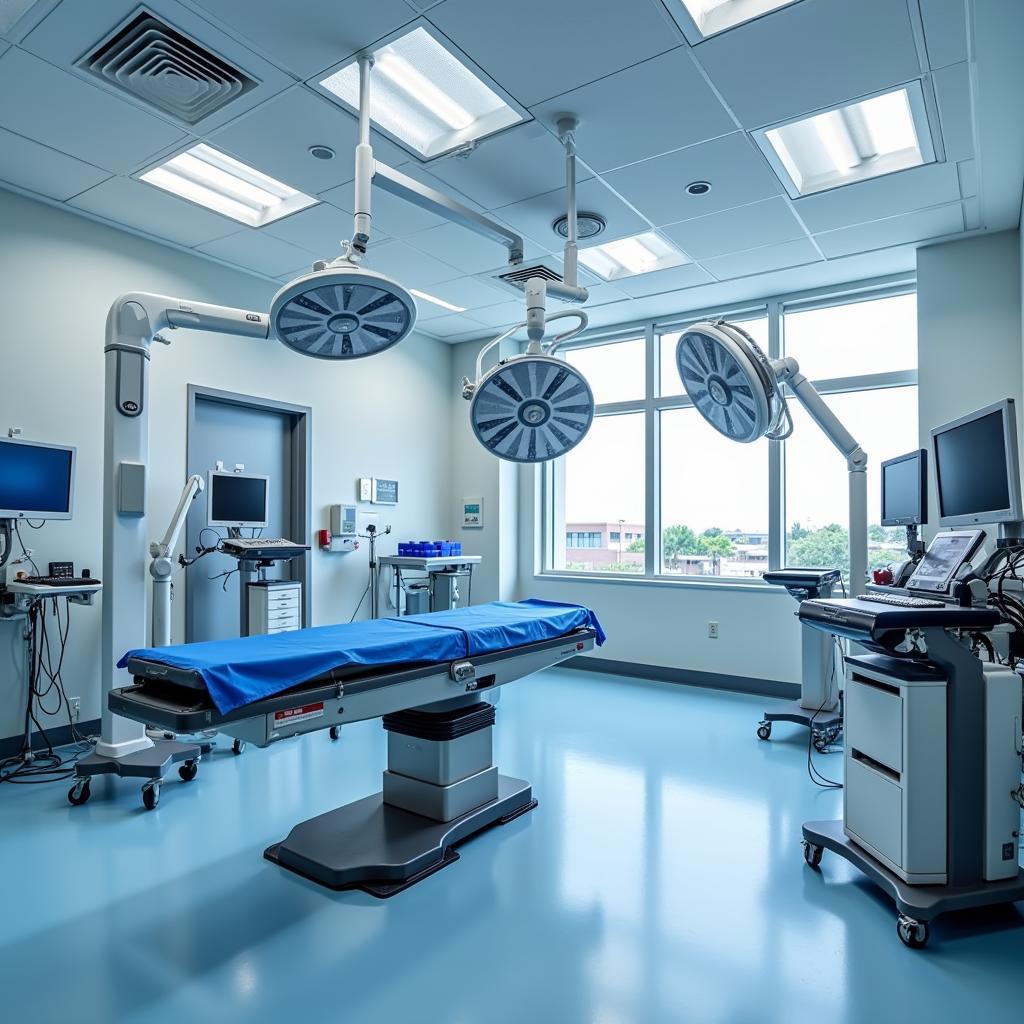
(269, 439)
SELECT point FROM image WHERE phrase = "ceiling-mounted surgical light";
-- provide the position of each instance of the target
(861, 140)
(425, 97)
(739, 391)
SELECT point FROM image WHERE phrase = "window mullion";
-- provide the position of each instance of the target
(652, 460)
(776, 457)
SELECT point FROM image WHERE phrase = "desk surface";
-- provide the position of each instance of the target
(438, 562)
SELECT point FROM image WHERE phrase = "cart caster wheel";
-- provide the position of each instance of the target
(335, 732)
(764, 731)
(237, 747)
(812, 854)
(913, 934)
(150, 795)
(79, 793)
(188, 771)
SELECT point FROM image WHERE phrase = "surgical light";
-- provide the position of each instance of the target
(628, 257)
(425, 98)
(855, 142)
(205, 176)
(742, 394)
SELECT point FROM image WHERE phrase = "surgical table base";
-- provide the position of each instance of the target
(440, 787)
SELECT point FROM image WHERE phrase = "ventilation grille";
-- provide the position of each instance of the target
(518, 276)
(164, 69)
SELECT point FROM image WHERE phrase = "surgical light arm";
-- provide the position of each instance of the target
(788, 372)
(161, 567)
(134, 322)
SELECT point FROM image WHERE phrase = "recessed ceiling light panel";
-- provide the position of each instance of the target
(628, 257)
(424, 96)
(709, 17)
(861, 140)
(436, 301)
(205, 176)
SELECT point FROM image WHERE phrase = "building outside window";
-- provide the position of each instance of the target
(652, 467)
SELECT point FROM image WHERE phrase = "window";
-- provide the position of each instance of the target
(653, 490)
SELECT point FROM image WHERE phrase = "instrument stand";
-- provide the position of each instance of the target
(965, 818)
(440, 788)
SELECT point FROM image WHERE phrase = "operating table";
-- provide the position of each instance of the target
(423, 675)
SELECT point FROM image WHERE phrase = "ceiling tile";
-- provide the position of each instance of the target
(968, 173)
(651, 108)
(451, 325)
(663, 281)
(19, 17)
(276, 138)
(534, 217)
(310, 36)
(747, 227)
(256, 251)
(74, 29)
(409, 266)
(29, 165)
(4, 46)
(761, 261)
(468, 292)
(953, 95)
(737, 171)
(893, 194)
(536, 49)
(503, 315)
(911, 227)
(809, 56)
(145, 208)
(464, 249)
(945, 31)
(319, 230)
(522, 162)
(43, 103)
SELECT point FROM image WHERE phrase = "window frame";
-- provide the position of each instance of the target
(549, 476)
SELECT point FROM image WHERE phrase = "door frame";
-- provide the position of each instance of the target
(300, 506)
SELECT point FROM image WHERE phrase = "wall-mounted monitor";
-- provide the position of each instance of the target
(37, 481)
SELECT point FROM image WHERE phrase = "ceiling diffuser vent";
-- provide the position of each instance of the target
(518, 276)
(164, 69)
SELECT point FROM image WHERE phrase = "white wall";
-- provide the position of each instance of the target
(969, 331)
(59, 274)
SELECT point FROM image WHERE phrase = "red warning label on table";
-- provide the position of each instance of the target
(291, 715)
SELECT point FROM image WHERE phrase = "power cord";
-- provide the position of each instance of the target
(812, 772)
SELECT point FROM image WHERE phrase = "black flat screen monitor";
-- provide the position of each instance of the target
(905, 489)
(238, 499)
(37, 481)
(976, 467)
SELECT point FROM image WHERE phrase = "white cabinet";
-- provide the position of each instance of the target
(275, 606)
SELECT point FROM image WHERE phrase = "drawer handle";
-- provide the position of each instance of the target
(870, 762)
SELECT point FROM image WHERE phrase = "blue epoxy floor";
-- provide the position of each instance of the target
(660, 880)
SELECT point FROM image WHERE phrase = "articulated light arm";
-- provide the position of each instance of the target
(788, 371)
(134, 322)
(161, 567)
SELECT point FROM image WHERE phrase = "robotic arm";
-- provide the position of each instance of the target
(161, 566)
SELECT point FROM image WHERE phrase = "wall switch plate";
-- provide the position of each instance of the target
(75, 706)
(712, 630)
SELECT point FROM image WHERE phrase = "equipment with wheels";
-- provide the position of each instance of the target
(819, 686)
(932, 758)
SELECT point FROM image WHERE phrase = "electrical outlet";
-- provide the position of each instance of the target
(75, 704)
(712, 630)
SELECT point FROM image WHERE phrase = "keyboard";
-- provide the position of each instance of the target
(59, 581)
(898, 601)
(260, 543)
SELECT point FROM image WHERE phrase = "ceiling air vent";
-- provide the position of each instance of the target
(164, 69)
(518, 276)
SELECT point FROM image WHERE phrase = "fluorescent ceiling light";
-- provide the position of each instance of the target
(628, 257)
(436, 301)
(862, 140)
(423, 96)
(219, 182)
(711, 16)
